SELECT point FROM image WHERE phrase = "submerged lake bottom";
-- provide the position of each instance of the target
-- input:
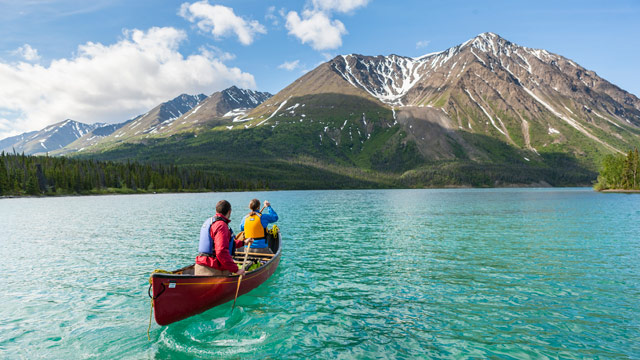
(450, 273)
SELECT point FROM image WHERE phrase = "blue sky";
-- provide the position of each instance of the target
(110, 60)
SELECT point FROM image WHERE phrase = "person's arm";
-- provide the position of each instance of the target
(242, 224)
(242, 242)
(269, 216)
(221, 242)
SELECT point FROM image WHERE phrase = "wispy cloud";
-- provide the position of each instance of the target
(110, 83)
(50, 8)
(289, 65)
(271, 16)
(221, 21)
(422, 44)
(217, 53)
(342, 6)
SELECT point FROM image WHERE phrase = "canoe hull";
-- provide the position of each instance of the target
(178, 296)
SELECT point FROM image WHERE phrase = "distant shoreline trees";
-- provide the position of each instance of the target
(620, 172)
(22, 175)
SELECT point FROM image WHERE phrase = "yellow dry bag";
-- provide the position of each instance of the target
(253, 227)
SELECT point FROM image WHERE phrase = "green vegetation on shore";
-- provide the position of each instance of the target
(620, 172)
(42, 175)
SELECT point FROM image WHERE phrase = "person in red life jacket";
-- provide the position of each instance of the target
(217, 245)
(255, 225)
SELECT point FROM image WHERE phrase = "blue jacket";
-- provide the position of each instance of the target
(268, 216)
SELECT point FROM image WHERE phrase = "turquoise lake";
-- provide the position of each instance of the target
(401, 274)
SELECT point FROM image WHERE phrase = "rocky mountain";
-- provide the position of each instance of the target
(236, 100)
(185, 113)
(155, 121)
(8, 143)
(466, 104)
(221, 108)
(71, 136)
(90, 139)
(528, 98)
(51, 138)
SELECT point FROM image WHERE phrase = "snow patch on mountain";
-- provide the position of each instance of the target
(486, 113)
(274, 113)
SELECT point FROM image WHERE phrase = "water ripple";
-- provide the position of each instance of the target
(495, 273)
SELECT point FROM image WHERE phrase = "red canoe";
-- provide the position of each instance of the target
(180, 294)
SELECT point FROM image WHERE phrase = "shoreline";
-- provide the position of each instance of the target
(619, 191)
(446, 187)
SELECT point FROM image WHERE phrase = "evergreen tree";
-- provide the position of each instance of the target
(636, 167)
(620, 172)
(42, 181)
(627, 171)
(32, 185)
(4, 177)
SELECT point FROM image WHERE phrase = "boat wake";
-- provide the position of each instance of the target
(213, 338)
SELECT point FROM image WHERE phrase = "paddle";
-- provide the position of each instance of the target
(244, 262)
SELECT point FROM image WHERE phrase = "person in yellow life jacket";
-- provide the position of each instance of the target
(255, 225)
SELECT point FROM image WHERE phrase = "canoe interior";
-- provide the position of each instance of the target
(273, 243)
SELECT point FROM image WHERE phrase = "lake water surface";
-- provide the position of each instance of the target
(501, 273)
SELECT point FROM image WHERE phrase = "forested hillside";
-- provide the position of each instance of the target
(43, 175)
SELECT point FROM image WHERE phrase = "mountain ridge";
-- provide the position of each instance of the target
(484, 112)
(162, 120)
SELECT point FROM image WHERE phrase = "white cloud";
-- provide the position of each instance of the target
(271, 16)
(422, 44)
(339, 5)
(27, 52)
(216, 52)
(289, 65)
(109, 83)
(315, 25)
(316, 28)
(221, 21)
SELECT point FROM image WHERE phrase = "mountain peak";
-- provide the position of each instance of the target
(243, 98)
(52, 137)
(488, 34)
(232, 88)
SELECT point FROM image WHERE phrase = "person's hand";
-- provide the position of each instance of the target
(240, 272)
(248, 241)
(267, 203)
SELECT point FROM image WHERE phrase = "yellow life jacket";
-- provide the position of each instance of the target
(253, 227)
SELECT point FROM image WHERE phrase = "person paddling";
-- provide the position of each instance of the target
(217, 244)
(255, 225)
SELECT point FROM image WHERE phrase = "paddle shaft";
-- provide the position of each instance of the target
(244, 262)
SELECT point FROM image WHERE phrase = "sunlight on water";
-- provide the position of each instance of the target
(394, 273)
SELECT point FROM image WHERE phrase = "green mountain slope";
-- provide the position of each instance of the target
(484, 113)
(345, 142)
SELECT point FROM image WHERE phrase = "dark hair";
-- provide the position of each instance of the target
(254, 204)
(223, 207)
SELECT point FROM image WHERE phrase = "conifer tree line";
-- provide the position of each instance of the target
(620, 172)
(44, 175)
